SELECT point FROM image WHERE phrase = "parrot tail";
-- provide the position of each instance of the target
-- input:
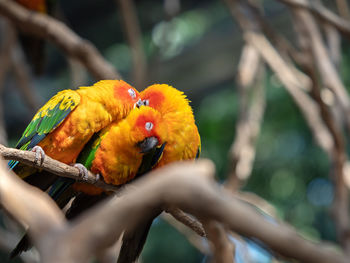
(135, 239)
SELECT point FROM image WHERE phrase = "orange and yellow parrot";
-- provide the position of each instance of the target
(184, 140)
(183, 143)
(116, 153)
(67, 121)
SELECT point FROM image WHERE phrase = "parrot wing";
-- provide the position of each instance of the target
(47, 119)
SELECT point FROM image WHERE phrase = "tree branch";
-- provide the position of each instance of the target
(250, 76)
(64, 170)
(63, 37)
(187, 220)
(187, 185)
(53, 166)
(323, 13)
(223, 250)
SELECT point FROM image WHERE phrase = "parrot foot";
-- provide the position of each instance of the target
(83, 171)
(39, 155)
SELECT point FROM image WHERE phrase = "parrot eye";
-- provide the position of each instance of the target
(149, 126)
(132, 93)
(146, 102)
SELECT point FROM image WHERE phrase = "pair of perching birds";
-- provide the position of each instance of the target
(112, 130)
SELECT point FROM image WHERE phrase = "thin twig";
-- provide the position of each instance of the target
(250, 83)
(182, 217)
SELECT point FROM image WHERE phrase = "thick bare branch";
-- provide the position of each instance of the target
(28, 204)
(63, 37)
(189, 186)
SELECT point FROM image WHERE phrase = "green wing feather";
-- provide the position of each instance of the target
(49, 117)
(87, 155)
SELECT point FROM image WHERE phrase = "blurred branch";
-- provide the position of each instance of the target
(286, 73)
(252, 105)
(343, 9)
(58, 33)
(333, 45)
(28, 205)
(197, 241)
(257, 201)
(77, 71)
(12, 58)
(328, 72)
(323, 13)
(187, 220)
(23, 79)
(187, 185)
(134, 37)
(223, 249)
(329, 76)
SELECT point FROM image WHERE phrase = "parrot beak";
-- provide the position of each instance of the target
(148, 144)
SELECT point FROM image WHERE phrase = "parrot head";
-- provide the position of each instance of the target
(148, 130)
(125, 93)
(164, 98)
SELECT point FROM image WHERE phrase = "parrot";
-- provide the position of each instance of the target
(183, 143)
(184, 140)
(34, 47)
(116, 153)
(68, 120)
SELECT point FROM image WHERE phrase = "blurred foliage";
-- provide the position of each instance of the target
(290, 171)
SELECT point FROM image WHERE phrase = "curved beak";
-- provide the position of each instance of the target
(148, 144)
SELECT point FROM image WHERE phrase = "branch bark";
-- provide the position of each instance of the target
(187, 185)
